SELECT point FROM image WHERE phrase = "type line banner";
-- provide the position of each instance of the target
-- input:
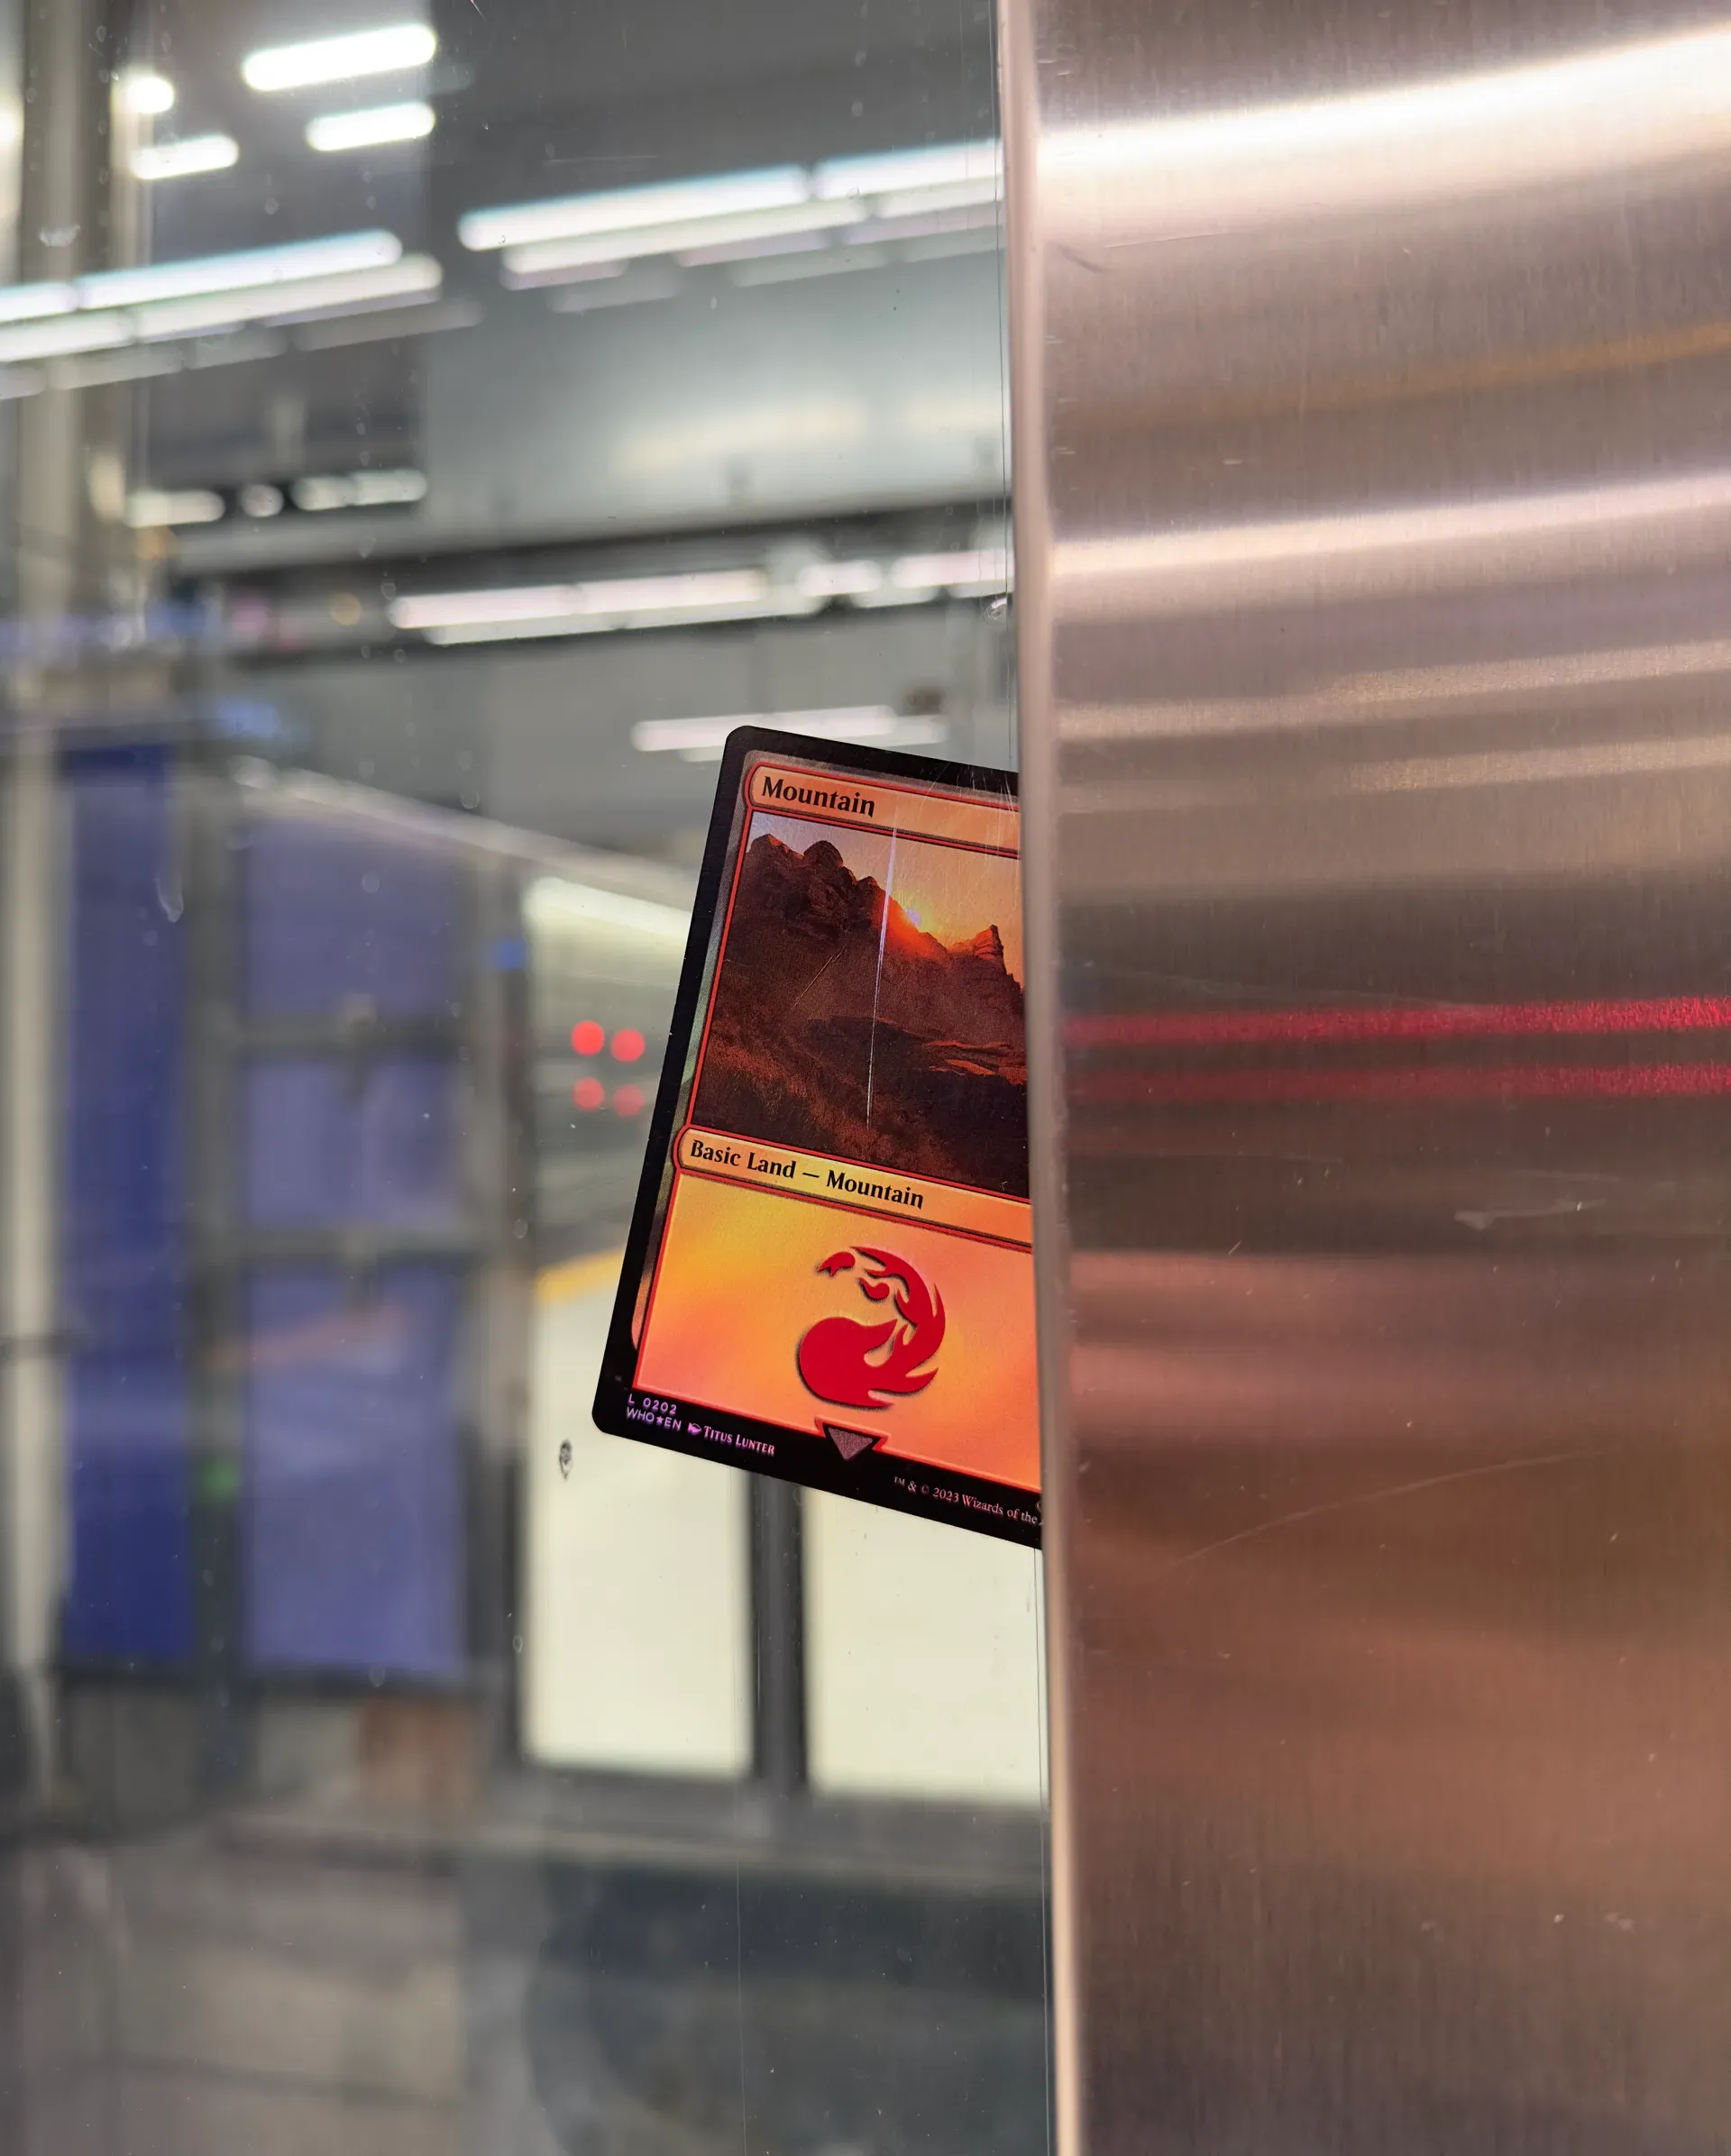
(879, 1191)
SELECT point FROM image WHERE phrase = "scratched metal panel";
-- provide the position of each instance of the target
(1370, 367)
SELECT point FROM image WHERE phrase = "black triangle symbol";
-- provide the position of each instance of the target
(851, 1443)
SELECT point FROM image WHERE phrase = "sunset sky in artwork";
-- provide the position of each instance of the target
(950, 893)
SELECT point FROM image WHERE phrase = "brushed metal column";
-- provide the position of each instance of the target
(1372, 374)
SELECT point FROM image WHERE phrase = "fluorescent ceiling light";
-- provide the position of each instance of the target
(297, 300)
(143, 91)
(615, 599)
(364, 130)
(985, 567)
(179, 160)
(214, 292)
(967, 165)
(924, 202)
(61, 338)
(632, 209)
(896, 595)
(35, 302)
(150, 508)
(517, 632)
(729, 215)
(238, 272)
(360, 491)
(838, 579)
(417, 276)
(687, 614)
(460, 609)
(541, 261)
(870, 722)
(655, 595)
(363, 52)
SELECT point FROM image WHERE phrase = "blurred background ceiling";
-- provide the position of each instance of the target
(805, 393)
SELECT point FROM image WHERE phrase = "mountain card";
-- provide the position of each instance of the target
(830, 1276)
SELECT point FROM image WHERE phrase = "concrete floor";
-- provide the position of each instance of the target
(200, 1993)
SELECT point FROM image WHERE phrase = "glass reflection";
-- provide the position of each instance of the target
(424, 438)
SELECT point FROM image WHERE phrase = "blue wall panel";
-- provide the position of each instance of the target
(128, 1595)
(337, 914)
(354, 1502)
(329, 1144)
(354, 1523)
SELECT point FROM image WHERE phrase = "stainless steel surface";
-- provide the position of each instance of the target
(1374, 512)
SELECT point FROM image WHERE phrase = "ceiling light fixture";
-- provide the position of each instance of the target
(838, 579)
(301, 282)
(63, 336)
(977, 569)
(192, 154)
(950, 166)
(695, 738)
(415, 276)
(151, 508)
(366, 130)
(542, 261)
(143, 91)
(360, 491)
(633, 209)
(35, 302)
(735, 215)
(545, 608)
(238, 272)
(383, 51)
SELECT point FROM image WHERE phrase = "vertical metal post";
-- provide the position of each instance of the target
(64, 133)
(1372, 536)
(778, 1625)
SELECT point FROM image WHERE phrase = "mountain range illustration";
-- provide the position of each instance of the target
(842, 1026)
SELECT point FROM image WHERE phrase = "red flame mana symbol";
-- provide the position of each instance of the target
(835, 1356)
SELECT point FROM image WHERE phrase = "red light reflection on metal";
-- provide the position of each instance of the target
(628, 1100)
(1516, 1082)
(587, 1037)
(628, 1044)
(588, 1093)
(1296, 1028)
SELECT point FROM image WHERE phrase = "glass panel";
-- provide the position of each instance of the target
(425, 430)
(924, 1658)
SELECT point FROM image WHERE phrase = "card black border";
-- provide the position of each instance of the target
(873, 1477)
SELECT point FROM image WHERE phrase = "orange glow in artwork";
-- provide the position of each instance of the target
(947, 891)
(923, 1340)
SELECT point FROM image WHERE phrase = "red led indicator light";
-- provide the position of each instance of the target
(588, 1093)
(627, 1044)
(588, 1038)
(628, 1100)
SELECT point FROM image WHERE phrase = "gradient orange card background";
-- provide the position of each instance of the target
(739, 1286)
